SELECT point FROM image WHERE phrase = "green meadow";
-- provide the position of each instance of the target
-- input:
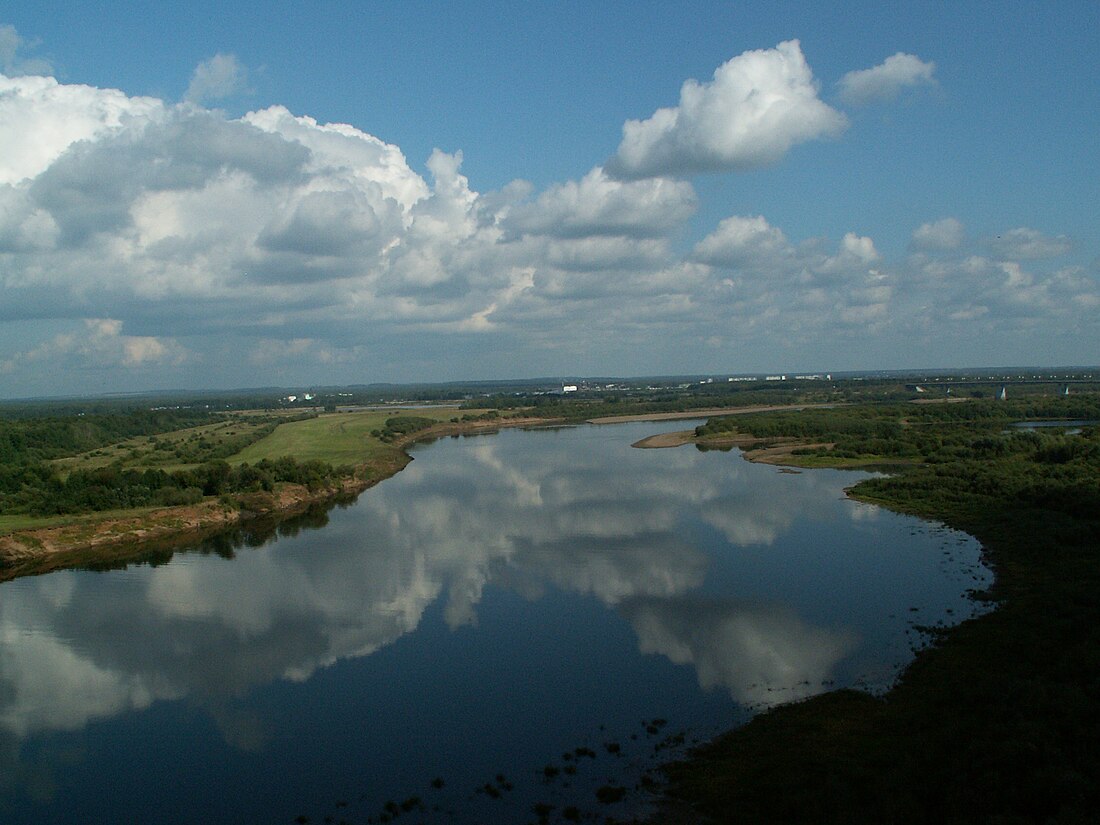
(335, 438)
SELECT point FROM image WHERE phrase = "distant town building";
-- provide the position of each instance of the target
(568, 388)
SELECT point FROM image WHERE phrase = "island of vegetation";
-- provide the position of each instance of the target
(996, 719)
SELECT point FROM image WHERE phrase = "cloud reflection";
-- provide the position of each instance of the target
(762, 654)
(573, 511)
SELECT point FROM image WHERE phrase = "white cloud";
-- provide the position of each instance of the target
(12, 61)
(339, 152)
(273, 351)
(1028, 244)
(758, 105)
(759, 276)
(885, 81)
(740, 241)
(858, 249)
(276, 241)
(219, 77)
(944, 234)
(600, 205)
(100, 343)
(40, 119)
(997, 295)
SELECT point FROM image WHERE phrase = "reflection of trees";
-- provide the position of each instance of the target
(252, 533)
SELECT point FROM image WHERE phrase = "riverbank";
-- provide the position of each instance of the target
(93, 538)
(711, 412)
(779, 452)
(994, 721)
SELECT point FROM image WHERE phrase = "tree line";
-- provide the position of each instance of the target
(31, 485)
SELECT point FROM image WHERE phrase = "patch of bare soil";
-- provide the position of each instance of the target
(673, 439)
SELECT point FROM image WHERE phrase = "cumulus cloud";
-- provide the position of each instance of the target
(885, 81)
(41, 118)
(274, 240)
(219, 77)
(1007, 293)
(100, 343)
(756, 276)
(944, 234)
(600, 205)
(757, 106)
(751, 243)
(272, 351)
(12, 61)
(744, 241)
(1028, 244)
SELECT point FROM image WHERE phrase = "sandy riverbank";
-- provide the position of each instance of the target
(780, 451)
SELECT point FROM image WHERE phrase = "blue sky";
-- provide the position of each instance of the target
(541, 189)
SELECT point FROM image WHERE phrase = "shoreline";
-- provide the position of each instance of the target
(90, 537)
(944, 743)
(711, 412)
(131, 535)
(779, 452)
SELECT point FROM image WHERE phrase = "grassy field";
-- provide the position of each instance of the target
(338, 438)
(334, 438)
(177, 450)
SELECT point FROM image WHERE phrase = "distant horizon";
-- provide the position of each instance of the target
(366, 193)
(997, 373)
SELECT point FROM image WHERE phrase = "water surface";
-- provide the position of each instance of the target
(502, 602)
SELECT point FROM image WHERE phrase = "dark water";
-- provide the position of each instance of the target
(503, 601)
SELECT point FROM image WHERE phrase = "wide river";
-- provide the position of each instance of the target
(515, 619)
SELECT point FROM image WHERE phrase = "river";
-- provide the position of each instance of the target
(515, 619)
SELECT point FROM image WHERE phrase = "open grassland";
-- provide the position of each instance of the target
(336, 438)
(231, 454)
(177, 450)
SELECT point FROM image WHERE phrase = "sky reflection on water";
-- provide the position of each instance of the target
(538, 570)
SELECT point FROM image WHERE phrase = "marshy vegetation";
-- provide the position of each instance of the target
(998, 721)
